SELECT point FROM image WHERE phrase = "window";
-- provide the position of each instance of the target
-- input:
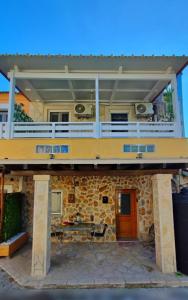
(124, 204)
(56, 202)
(150, 148)
(3, 116)
(138, 148)
(119, 117)
(52, 149)
(59, 116)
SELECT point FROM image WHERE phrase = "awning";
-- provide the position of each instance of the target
(111, 90)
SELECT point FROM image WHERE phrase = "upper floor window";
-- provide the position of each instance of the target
(59, 116)
(119, 117)
(3, 115)
(52, 149)
(138, 148)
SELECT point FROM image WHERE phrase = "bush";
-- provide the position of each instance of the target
(12, 221)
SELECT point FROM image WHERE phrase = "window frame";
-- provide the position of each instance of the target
(44, 148)
(136, 148)
(4, 114)
(61, 212)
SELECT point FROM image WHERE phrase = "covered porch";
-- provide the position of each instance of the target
(153, 206)
(94, 97)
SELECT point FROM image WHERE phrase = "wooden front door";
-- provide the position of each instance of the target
(126, 214)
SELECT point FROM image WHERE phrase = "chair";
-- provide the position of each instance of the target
(99, 234)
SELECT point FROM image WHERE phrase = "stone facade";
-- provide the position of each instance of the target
(88, 191)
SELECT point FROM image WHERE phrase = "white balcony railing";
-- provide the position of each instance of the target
(53, 130)
(88, 129)
(137, 129)
(3, 130)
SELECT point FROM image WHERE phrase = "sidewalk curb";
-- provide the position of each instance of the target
(27, 284)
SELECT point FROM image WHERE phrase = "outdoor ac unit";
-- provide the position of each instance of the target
(144, 109)
(83, 109)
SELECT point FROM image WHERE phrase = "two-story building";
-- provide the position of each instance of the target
(103, 143)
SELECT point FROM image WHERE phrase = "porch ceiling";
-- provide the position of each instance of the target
(51, 90)
(99, 169)
(84, 90)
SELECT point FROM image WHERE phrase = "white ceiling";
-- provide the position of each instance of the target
(84, 90)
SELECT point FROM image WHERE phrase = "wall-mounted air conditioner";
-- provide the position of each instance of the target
(81, 109)
(144, 109)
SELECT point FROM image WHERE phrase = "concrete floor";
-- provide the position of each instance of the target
(118, 264)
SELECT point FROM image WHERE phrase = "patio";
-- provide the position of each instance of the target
(87, 265)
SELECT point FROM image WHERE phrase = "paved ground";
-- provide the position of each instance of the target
(93, 265)
(9, 290)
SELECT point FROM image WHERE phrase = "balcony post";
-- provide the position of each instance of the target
(176, 107)
(180, 101)
(97, 109)
(11, 106)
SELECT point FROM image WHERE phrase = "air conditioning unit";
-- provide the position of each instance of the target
(83, 109)
(144, 109)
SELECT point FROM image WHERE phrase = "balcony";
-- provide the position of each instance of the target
(109, 85)
(89, 130)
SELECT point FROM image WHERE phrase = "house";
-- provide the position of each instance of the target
(102, 144)
(20, 99)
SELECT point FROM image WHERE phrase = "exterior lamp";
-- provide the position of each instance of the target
(139, 155)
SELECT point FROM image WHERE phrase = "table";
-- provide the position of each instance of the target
(80, 227)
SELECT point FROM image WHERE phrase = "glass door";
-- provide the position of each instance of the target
(60, 117)
(119, 117)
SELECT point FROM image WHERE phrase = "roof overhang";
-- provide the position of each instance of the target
(92, 167)
(94, 161)
(54, 78)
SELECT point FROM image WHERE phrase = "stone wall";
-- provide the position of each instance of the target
(88, 193)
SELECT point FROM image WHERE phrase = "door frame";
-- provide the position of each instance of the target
(118, 190)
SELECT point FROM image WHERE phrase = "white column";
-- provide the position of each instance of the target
(11, 106)
(97, 109)
(41, 227)
(164, 223)
(176, 107)
(180, 101)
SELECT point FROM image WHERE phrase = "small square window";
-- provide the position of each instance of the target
(52, 149)
(40, 149)
(48, 149)
(127, 148)
(56, 149)
(142, 148)
(150, 148)
(56, 202)
(64, 149)
(134, 148)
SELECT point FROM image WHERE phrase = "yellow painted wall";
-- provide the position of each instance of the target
(89, 148)
(19, 99)
(40, 111)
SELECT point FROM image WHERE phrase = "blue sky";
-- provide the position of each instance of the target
(96, 27)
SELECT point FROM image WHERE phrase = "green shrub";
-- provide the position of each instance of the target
(20, 115)
(12, 221)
